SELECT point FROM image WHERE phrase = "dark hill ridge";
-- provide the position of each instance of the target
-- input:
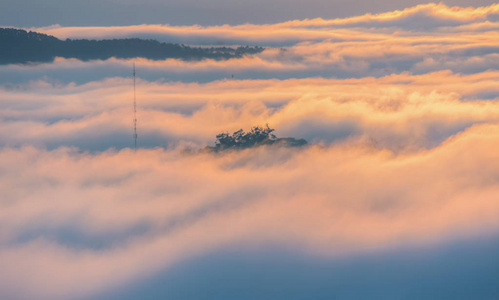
(20, 46)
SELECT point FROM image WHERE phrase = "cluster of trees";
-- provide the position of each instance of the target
(257, 136)
(20, 46)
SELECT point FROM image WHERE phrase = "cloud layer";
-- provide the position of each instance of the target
(402, 160)
(70, 218)
(463, 40)
(401, 110)
(430, 18)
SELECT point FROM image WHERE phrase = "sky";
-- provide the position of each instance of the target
(22, 13)
(396, 195)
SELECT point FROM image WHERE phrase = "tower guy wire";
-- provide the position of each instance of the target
(134, 113)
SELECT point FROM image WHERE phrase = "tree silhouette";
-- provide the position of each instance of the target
(257, 136)
(239, 139)
(20, 46)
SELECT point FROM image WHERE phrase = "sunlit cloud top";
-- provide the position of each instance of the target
(428, 17)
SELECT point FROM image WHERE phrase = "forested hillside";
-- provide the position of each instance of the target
(20, 46)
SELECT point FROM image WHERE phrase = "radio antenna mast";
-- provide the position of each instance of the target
(134, 113)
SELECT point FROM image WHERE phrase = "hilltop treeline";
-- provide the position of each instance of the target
(20, 46)
(257, 136)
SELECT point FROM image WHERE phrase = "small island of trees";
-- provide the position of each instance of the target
(257, 136)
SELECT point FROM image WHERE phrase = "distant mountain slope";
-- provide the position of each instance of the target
(20, 46)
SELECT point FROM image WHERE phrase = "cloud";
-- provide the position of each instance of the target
(310, 51)
(399, 112)
(75, 224)
(304, 199)
(419, 19)
(423, 17)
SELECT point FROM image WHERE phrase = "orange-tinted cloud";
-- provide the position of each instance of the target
(400, 112)
(132, 214)
(428, 17)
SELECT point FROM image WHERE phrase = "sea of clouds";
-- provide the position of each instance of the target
(400, 110)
